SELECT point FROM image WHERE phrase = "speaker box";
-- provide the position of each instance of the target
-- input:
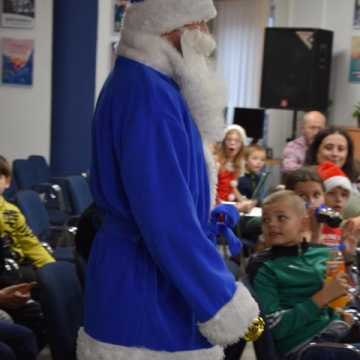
(296, 69)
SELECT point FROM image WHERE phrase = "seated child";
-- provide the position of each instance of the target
(229, 156)
(337, 193)
(307, 184)
(255, 157)
(13, 228)
(289, 281)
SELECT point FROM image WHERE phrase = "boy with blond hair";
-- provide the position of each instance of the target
(255, 157)
(289, 282)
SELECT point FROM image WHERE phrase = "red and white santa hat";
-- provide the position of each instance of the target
(161, 16)
(333, 176)
(237, 128)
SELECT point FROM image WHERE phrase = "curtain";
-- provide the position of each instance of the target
(239, 31)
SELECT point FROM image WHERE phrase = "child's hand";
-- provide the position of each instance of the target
(14, 296)
(332, 290)
(351, 234)
(348, 317)
(245, 206)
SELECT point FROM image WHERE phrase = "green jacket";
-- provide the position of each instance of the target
(284, 284)
(23, 241)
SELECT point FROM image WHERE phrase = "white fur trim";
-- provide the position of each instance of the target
(335, 181)
(90, 349)
(239, 129)
(147, 49)
(162, 16)
(212, 170)
(232, 321)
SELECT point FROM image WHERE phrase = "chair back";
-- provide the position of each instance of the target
(61, 298)
(34, 211)
(10, 192)
(329, 351)
(79, 194)
(40, 167)
(23, 174)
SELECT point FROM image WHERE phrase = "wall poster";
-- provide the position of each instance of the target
(356, 22)
(17, 61)
(17, 13)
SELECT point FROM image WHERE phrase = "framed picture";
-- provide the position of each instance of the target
(17, 61)
(355, 60)
(119, 12)
(356, 21)
(17, 13)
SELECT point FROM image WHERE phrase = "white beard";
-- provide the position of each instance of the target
(194, 73)
(203, 91)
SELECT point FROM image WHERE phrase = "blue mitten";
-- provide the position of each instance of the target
(223, 219)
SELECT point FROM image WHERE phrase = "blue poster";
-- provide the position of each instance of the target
(17, 61)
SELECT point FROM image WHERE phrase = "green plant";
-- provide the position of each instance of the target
(356, 112)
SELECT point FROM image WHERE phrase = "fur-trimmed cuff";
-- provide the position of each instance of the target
(232, 321)
(89, 348)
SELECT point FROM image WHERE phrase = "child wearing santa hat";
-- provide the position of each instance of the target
(337, 193)
(230, 160)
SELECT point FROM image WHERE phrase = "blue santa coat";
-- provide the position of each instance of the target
(153, 273)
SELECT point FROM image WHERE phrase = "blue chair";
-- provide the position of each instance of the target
(9, 193)
(78, 190)
(61, 298)
(27, 177)
(35, 213)
(38, 220)
(41, 168)
(23, 174)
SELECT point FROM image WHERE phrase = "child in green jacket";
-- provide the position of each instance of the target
(289, 282)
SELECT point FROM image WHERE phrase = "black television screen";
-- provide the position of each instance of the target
(252, 120)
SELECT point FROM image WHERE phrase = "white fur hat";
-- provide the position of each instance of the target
(237, 128)
(162, 16)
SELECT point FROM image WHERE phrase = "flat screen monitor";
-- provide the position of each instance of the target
(252, 120)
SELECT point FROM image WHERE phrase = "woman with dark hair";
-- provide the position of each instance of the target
(333, 144)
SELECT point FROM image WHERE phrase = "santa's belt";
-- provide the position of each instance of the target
(124, 227)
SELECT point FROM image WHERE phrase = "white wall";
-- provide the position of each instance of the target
(26, 111)
(339, 18)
